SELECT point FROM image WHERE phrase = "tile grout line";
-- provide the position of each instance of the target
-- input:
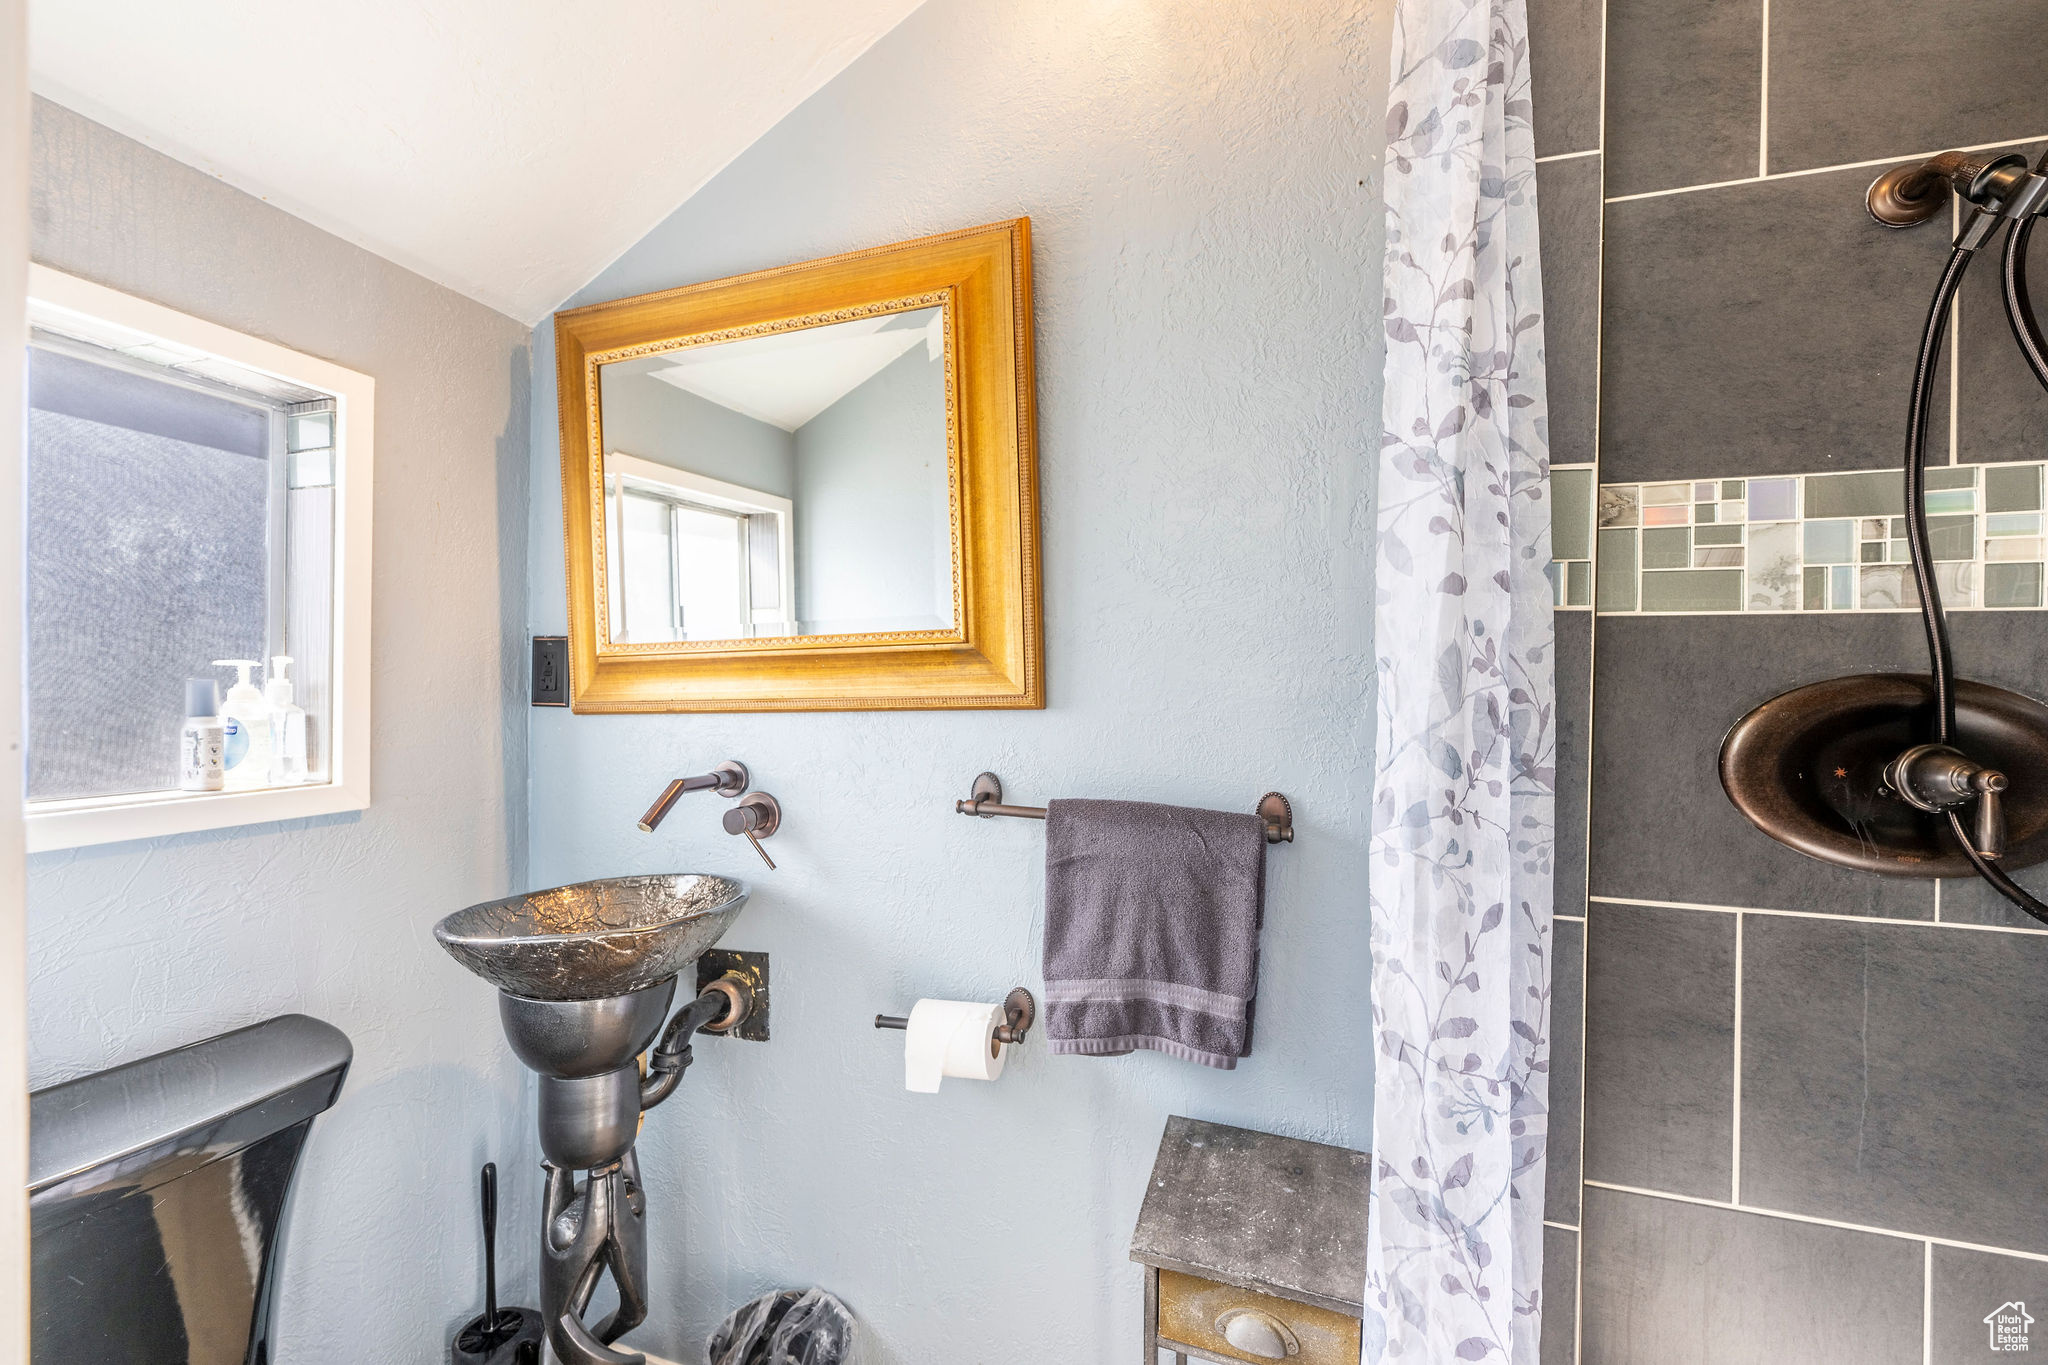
(1784, 1215)
(1927, 1308)
(1937, 900)
(1763, 119)
(1945, 925)
(1592, 691)
(1817, 170)
(1566, 156)
(1561, 1227)
(1735, 1164)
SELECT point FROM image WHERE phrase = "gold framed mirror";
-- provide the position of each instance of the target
(809, 488)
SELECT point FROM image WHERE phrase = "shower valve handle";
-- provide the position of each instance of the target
(1989, 835)
(1938, 779)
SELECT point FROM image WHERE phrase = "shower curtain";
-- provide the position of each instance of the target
(1466, 754)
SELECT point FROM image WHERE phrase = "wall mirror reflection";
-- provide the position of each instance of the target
(798, 482)
(813, 487)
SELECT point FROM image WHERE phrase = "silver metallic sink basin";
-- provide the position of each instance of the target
(593, 940)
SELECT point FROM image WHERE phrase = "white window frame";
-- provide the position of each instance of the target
(150, 815)
(725, 497)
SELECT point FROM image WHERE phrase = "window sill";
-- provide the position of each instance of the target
(56, 825)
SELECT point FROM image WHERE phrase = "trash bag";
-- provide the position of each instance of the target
(793, 1327)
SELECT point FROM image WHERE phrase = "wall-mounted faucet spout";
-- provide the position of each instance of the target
(728, 779)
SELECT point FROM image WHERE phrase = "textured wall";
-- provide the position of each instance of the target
(1203, 187)
(142, 946)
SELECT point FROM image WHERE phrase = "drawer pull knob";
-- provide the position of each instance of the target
(1258, 1334)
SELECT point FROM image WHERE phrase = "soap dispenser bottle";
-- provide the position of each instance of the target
(247, 719)
(202, 741)
(287, 726)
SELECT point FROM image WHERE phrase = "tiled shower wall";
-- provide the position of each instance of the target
(1814, 1101)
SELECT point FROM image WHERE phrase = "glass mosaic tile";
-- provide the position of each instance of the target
(2012, 585)
(1693, 590)
(1774, 569)
(1888, 587)
(1616, 575)
(1816, 596)
(2009, 548)
(1950, 537)
(2012, 488)
(1571, 513)
(1873, 493)
(1830, 542)
(1774, 499)
(1667, 548)
(1818, 542)
(1578, 589)
(2013, 524)
(1619, 504)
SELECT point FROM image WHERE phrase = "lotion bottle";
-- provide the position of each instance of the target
(287, 726)
(247, 720)
(201, 743)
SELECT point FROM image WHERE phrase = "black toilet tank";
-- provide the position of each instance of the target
(157, 1193)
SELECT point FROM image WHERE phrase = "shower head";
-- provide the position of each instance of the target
(1906, 196)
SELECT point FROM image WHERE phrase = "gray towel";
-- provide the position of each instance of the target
(1152, 929)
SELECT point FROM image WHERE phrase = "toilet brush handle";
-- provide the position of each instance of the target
(490, 1182)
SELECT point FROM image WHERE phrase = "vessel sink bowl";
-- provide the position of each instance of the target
(593, 940)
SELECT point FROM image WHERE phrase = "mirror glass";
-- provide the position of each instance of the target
(793, 483)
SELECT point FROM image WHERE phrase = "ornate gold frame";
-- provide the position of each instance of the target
(994, 654)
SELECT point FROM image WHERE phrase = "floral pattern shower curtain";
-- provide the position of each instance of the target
(1464, 768)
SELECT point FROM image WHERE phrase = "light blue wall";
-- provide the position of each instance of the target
(1202, 180)
(139, 947)
(657, 421)
(873, 509)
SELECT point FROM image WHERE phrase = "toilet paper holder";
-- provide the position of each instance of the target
(1019, 1010)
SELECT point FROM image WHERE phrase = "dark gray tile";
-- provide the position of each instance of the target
(1667, 690)
(1853, 80)
(1759, 329)
(1567, 1034)
(1684, 92)
(1568, 202)
(2001, 409)
(1892, 1076)
(1574, 660)
(1560, 1297)
(1660, 1048)
(1684, 1284)
(1564, 71)
(1970, 1286)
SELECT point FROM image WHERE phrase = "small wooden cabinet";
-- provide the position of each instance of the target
(1253, 1247)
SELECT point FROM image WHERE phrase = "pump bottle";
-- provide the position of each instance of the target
(247, 718)
(287, 726)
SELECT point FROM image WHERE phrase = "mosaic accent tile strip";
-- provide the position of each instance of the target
(1571, 534)
(1810, 542)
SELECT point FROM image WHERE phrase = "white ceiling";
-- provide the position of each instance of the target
(787, 378)
(509, 149)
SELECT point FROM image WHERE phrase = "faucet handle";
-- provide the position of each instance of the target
(757, 817)
(1989, 833)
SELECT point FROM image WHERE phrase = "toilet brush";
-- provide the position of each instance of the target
(500, 1336)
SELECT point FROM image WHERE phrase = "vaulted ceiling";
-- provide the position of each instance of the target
(509, 149)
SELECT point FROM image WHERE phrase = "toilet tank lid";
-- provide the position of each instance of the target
(197, 1101)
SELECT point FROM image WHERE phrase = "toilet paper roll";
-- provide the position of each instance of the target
(951, 1038)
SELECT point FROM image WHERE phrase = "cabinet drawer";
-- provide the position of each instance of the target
(1189, 1309)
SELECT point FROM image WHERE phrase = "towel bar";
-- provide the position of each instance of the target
(986, 801)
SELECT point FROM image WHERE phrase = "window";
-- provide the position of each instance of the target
(695, 558)
(194, 495)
